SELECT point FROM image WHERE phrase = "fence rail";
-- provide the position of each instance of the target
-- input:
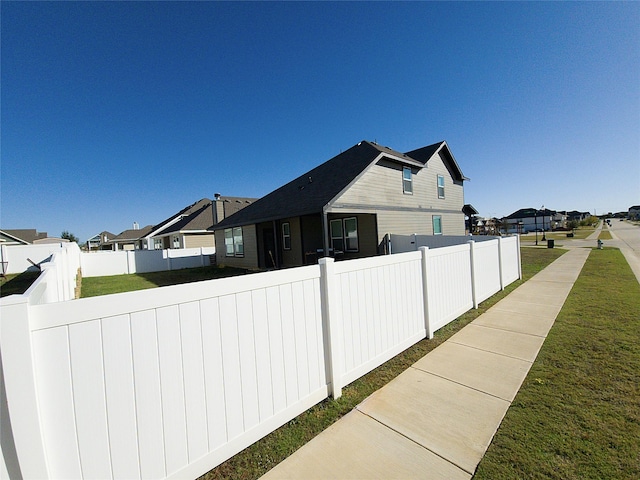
(170, 382)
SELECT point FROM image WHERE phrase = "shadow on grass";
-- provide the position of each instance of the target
(17, 284)
(188, 275)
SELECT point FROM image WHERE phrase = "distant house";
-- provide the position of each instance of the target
(529, 220)
(346, 206)
(192, 226)
(27, 237)
(133, 239)
(634, 212)
(100, 241)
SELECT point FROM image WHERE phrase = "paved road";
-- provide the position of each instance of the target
(626, 236)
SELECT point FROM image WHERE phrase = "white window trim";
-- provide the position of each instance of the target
(231, 248)
(433, 224)
(438, 185)
(343, 237)
(407, 182)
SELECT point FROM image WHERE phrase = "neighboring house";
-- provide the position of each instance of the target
(346, 206)
(100, 241)
(576, 215)
(133, 239)
(25, 236)
(528, 220)
(634, 212)
(192, 226)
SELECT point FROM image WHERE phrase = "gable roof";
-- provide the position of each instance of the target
(313, 190)
(530, 213)
(25, 235)
(424, 154)
(167, 225)
(131, 235)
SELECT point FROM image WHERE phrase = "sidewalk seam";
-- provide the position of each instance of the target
(413, 441)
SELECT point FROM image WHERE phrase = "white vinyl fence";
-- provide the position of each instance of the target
(102, 263)
(170, 382)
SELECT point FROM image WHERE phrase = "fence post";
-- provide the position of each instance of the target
(473, 272)
(500, 263)
(425, 291)
(518, 256)
(331, 326)
(19, 397)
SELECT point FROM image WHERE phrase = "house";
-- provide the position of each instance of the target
(529, 220)
(634, 212)
(133, 239)
(100, 241)
(346, 206)
(486, 226)
(27, 237)
(191, 226)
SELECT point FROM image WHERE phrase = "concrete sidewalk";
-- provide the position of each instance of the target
(437, 419)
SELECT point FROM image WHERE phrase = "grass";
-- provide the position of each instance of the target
(605, 235)
(265, 454)
(577, 414)
(94, 286)
(17, 283)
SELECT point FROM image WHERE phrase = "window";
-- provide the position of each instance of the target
(351, 234)
(233, 242)
(176, 241)
(437, 225)
(344, 234)
(286, 236)
(157, 244)
(407, 181)
(440, 186)
(337, 239)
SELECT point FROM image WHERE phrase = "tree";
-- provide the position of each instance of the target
(69, 236)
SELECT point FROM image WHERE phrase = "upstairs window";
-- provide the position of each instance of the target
(407, 180)
(286, 236)
(440, 186)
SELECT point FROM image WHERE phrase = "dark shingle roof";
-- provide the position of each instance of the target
(310, 192)
(132, 234)
(28, 235)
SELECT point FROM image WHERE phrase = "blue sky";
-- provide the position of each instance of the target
(115, 112)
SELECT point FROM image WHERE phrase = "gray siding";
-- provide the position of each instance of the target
(379, 190)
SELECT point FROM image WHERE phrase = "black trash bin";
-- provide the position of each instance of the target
(550, 243)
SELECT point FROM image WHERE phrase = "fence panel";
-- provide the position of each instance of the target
(486, 271)
(169, 382)
(380, 300)
(510, 259)
(177, 381)
(449, 288)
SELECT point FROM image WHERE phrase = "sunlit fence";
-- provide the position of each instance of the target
(172, 381)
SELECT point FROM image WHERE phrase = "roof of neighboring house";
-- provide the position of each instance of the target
(100, 236)
(198, 216)
(635, 207)
(468, 210)
(530, 213)
(27, 235)
(131, 235)
(313, 190)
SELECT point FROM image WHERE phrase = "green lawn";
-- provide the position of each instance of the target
(577, 415)
(265, 454)
(94, 286)
(17, 283)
